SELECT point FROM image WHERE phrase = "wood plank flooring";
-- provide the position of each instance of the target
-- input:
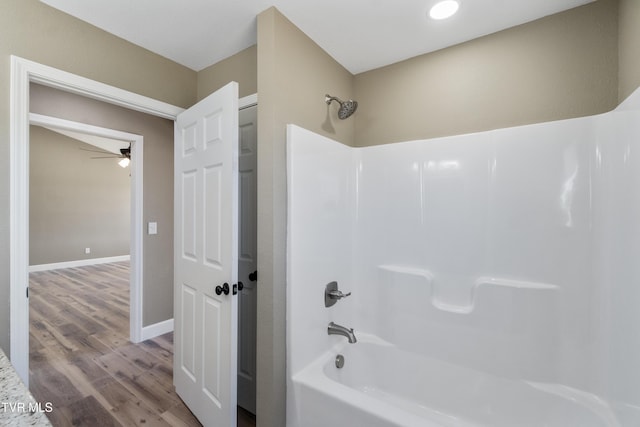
(83, 363)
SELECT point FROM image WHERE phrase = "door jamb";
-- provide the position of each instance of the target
(23, 72)
(248, 101)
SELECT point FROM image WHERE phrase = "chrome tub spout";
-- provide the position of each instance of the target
(335, 329)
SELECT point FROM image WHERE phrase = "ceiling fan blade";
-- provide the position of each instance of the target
(97, 151)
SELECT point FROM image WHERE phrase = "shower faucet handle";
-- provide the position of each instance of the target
(332, 294)
(338, 294)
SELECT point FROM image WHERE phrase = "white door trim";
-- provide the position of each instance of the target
(24, 72)
(137, 233)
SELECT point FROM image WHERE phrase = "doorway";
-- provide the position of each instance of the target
(136, 143)
(23, 73)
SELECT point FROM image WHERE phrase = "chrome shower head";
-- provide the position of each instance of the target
(347, 108)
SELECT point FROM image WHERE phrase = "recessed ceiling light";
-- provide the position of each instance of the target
(444, 9)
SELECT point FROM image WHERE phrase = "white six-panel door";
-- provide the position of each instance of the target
(206, 257)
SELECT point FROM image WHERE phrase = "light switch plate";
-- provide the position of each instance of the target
(152, 228)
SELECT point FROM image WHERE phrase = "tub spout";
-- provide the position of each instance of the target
(335, 329)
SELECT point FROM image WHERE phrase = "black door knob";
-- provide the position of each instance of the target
(224, 289)
(253, 276)
(237, 287)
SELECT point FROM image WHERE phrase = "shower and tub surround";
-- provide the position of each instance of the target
(494, 277)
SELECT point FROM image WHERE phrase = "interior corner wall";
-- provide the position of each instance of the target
(75, 201)
(558, 67)
(241, 67)
(629, 47)
(32, 30)
(294, 74)
(157, 205)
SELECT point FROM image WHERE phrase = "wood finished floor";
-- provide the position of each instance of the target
(83, 363)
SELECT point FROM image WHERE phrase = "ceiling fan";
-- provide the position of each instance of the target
(124, 156)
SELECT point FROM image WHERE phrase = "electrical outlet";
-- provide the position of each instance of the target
(87, 250)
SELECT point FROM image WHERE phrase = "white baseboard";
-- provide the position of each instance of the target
(78, 263)
(157, 329)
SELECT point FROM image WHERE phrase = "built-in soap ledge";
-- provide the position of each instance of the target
(412, 287)
(510, 283)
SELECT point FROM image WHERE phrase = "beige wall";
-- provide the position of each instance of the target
(629, 47)
(157, 289)
(32, 30)
(75, 202)
(241, 67)
(293, 76)
(558, 67)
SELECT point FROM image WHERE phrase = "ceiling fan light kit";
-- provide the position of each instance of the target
(125, 156)
(124, 162)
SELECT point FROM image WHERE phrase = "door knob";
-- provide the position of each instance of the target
(237, 288)
(224, 289)
(253, 276)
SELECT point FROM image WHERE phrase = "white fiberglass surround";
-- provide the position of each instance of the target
(494, 276)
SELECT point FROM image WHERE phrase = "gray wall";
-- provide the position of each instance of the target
(558, 67)
(561, 66)
(241, 67)
(629, 47)
(75, 202)
(33, 30)
(294, 74)
(157, 304)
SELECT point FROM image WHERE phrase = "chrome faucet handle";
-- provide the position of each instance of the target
(332, 294)
(336, 294)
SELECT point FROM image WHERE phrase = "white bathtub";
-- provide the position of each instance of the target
(382, 386)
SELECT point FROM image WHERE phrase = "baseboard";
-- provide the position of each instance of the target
(78, 263)
(157, 329)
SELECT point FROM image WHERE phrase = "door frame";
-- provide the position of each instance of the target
(24, 72)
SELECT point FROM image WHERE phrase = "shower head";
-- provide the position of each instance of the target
(347, 108)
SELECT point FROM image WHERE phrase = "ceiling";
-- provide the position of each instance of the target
(359, 34)
(102, 143)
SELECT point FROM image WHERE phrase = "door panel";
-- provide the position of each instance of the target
(213, 216)
(188, 184)
(188, 329)
(212, 350)
(206, 257)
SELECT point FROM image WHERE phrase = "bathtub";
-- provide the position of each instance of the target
(383, 386)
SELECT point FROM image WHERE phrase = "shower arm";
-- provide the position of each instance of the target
(329, 99)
